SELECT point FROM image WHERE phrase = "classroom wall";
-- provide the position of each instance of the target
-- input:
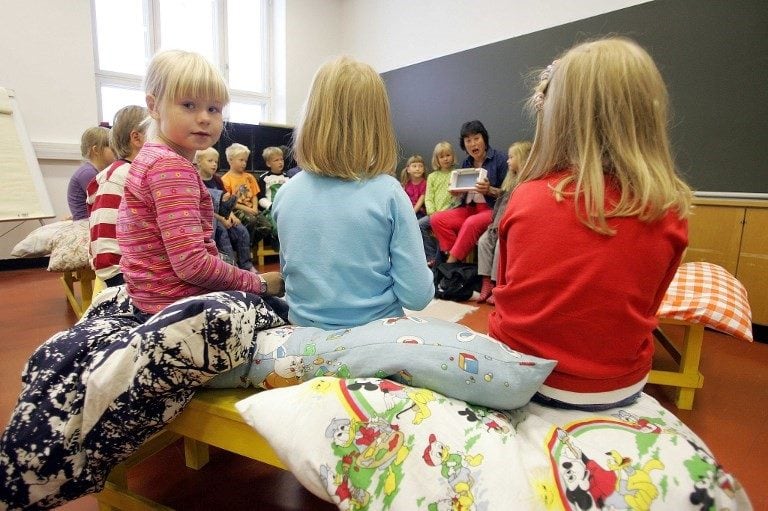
(390, 34)
(51, 67)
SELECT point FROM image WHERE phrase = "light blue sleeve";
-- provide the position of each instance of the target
(413, 280)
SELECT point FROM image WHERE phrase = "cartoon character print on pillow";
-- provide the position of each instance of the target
(371, 443)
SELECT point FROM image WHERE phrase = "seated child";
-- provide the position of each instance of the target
(270, 183)
(437, 197)
(595, 229)
(105, 192)
(487, 245)
(94, 147)
(231, 235)
(350, 247)
(244, 186)
(165, 221)
(415, 184)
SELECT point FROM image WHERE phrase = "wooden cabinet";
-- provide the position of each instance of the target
(734, 234)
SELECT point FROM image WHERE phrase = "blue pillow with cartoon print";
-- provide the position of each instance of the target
(421, 352)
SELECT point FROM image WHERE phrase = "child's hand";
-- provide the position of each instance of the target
(234, 219)
(275, 283)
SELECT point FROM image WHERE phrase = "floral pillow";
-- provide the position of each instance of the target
(69, 247)
(423, 352)
(38, 242)
(369, 444)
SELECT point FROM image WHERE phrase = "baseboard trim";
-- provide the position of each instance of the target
(23, 263)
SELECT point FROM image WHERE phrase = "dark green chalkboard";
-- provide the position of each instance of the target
(713, 55)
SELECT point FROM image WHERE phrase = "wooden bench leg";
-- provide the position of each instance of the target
(116, 495)
(687, 378)
(196, 453)
(86, 278)
(689, 364)
(260, 252)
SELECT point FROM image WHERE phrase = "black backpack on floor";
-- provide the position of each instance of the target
(455, 281)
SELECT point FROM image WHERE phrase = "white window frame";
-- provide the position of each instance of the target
(152, 37)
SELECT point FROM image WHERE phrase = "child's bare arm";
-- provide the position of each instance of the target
(419, 204)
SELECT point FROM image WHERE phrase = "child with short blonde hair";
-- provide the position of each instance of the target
(274, 179)
(165, 222)
(244, 185)
(95, 149)
(231, 236)
(270, 182)
(105, 192)
(595, 229)
(345, 201)
(415, 184)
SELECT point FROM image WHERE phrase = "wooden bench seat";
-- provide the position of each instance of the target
(209, 419)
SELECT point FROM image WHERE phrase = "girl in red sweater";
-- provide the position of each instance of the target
(595, 231)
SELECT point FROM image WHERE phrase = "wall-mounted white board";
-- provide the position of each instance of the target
(23, 195)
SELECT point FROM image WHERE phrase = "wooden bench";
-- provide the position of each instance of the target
(261, 252)
(210, 419)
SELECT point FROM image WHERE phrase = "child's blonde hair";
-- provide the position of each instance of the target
(520, 150)
(271, 152)
(602, 110)
(127, 120)
(202, 153)
(174, 74)
(98, 137)
(404, 177)
(345, 130)
(440, 148)
(236, 150)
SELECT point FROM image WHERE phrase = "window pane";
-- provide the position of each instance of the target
(189, 25)
(120, 36)
(246, 45)
(114, 98)
(246, 112)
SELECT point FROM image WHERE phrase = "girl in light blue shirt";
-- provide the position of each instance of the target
(350, 246)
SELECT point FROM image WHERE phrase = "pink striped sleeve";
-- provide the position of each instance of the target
(184, 217)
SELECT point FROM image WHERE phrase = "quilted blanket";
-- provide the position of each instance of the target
(94, 393)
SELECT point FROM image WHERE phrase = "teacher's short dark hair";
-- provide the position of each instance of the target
(470, 128)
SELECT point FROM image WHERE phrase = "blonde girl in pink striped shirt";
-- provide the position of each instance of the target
(165, 222)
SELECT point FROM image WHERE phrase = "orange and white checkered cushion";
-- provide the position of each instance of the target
(706, 293)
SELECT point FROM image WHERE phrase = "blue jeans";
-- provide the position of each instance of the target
(236, 243)
(431, 249)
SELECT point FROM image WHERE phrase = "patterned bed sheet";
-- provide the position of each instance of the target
(365, 444)
(93, 394)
